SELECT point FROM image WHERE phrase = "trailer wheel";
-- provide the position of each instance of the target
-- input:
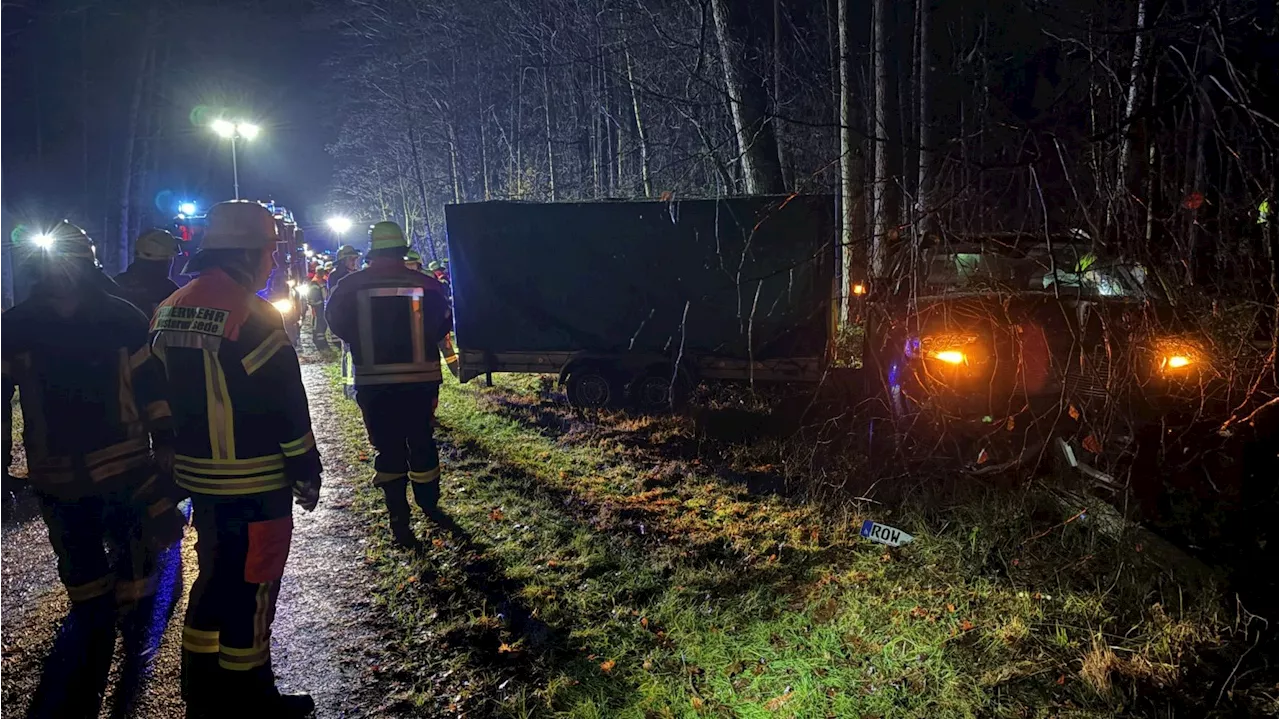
(652, 392)
(592, 388)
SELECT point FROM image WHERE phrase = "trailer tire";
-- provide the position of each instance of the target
(654, 393)
(593, 387)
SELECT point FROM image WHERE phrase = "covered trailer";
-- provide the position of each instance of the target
(635, 299)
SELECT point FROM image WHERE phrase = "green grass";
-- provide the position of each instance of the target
(602, 580)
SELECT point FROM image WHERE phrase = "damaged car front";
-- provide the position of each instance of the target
(1009, 347)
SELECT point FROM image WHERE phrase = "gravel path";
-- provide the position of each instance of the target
(327, 635)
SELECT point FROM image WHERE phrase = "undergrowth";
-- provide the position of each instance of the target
(594, 575)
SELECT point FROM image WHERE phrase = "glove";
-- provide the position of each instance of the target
(307, 494)
(304, 478)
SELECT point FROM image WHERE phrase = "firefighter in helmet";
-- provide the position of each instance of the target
(245, 451)
(146, 283)
(413, 260)
(346, 261)
(396, 370)
(97, 426)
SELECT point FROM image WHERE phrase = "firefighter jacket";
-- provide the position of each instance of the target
(239, 407)
(91, 392)
(339, 271)
(146, 284)
(392, 317)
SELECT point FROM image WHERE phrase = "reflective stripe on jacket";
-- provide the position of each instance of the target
(393, 318)
(240, 410)
(91, 392)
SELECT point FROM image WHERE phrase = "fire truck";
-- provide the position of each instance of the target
(284, 288)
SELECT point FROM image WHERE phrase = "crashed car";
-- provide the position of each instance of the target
(1020, 343)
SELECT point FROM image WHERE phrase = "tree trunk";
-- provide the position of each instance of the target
(484, 154)
(635, 107)
(925, 169)
(787, 179)
(880, 173)
(850, 227)
(1136, 80)
(417, 163)
(757, 144)
(453, 164)
(551, 155)
(124, 243)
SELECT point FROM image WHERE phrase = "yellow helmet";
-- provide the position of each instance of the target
(239, 225)
(386, 235)
(155, 244)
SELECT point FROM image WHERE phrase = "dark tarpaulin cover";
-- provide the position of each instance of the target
(617, 276)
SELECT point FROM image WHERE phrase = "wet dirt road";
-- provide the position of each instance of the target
(326, 636)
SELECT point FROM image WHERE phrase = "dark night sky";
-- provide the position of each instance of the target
(266, 60)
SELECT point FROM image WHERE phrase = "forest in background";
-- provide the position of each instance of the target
(1147, 124)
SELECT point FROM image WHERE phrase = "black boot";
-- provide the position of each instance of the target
(427, 496)
(398, 509)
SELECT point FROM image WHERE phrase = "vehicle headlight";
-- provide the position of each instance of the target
(284, 307)
(949, 349)
(948, 356)
(1176, 357)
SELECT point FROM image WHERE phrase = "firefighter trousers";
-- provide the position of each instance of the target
(398, 419)
(319, 326)
(79, 531)
(242, 546)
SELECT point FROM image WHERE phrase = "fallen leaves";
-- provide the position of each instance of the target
(497, 515)
(780, 701)
(607, 666)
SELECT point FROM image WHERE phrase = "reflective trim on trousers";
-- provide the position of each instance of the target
(99, 587)
(133, 590)
(200, 641)
(401, 378)
(431, 475)
(381, 478)
(242, 660)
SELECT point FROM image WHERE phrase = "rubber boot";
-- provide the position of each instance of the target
(398, 509)
(427, 496)
(200, 690)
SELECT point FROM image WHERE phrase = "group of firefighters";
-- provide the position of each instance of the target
(123, 418)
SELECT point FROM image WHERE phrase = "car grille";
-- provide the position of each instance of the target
(1090, 378)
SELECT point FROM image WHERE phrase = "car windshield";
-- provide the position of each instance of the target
(1069, 269)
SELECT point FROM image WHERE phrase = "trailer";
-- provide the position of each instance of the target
(636, 301)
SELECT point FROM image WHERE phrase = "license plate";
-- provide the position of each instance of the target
(884, 534)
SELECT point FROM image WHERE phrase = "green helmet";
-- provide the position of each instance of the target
(347, 251)
(386, 235)
(435, 265)
(413, 256)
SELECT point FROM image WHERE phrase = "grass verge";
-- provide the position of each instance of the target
(594, 576)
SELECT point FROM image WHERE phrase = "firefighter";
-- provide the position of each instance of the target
(146, 283)
(348, 261)
(243, 447)
(96, 426)
(315, 298)
(396, 370)
(413, 260)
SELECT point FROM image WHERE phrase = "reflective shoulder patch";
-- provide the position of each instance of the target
(205, 320)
